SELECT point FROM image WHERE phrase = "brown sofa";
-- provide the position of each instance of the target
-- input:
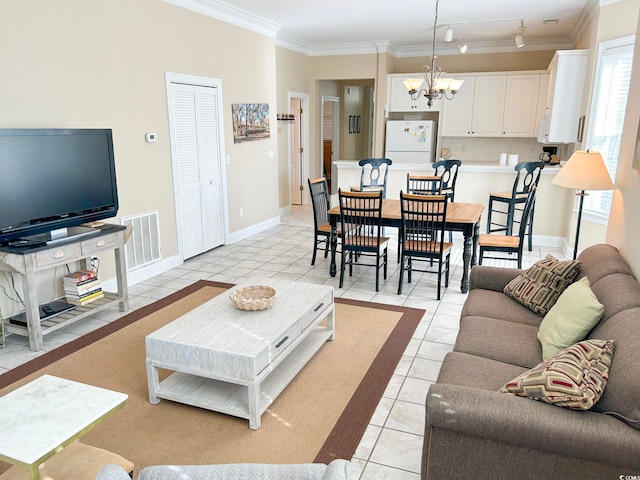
(472, 431)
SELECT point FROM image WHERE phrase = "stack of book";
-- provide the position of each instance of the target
(82, 287)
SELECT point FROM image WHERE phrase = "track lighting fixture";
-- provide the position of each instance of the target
(462, 47)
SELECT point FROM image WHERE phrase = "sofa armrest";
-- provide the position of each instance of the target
(491, 278)
(532, 424)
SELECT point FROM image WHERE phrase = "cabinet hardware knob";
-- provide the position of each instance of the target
(58, 254)
(100, 243)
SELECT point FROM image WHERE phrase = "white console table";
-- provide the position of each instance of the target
(28, 261)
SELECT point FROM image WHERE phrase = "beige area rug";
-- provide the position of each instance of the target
(321, 415)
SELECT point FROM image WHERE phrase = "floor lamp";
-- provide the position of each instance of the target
(585, 170)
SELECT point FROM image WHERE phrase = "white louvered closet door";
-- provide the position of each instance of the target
(197, 146)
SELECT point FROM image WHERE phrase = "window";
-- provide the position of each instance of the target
(613, 74)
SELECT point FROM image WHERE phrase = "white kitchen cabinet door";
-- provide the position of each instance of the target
(567, 74)
(488, 105)
(521, 106)
(457, 113)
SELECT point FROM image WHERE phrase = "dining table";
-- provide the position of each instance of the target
(461, 217)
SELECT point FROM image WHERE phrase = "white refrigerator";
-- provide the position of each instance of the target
(411, 141)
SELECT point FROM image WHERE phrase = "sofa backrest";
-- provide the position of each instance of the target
(601, 260)
(614, 285)
(621, 396)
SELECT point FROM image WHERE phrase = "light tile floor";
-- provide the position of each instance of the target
(391, 447)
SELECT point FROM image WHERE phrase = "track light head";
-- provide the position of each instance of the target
(462, 47)
(448, 34)
(520, 36)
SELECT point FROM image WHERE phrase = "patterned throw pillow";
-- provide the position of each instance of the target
(575, 378)
(539, 287)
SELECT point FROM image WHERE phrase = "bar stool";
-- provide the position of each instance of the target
(508, 203)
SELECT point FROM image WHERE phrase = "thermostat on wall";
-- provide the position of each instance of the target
(150, 137)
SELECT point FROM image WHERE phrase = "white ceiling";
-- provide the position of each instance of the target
(321, 27)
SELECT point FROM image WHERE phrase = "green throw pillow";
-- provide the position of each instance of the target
(574, 314)
(539, 287)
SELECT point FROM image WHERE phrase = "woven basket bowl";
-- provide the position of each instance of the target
(258, 297)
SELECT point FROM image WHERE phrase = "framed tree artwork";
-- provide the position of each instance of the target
(250, 121)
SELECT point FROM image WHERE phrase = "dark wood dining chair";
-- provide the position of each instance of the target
(360, 218)
(447, 170)
(424, 184)
(509, 204)
(319, 191)
(373, 176)
(423, 228)
(511, 244)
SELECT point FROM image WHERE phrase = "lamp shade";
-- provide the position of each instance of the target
(585, 170)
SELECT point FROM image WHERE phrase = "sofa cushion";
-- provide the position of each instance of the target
(575, 378)
(572, 317)
(487, 303)
(622, 396)
(507, 342)
(539, 287)
(476, 372)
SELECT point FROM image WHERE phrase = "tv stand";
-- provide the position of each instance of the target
(27, 261)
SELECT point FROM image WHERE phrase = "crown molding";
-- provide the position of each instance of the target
(230, 14)
(243, 19)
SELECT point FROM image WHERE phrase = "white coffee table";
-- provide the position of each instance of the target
(237, 362)
(42, 417)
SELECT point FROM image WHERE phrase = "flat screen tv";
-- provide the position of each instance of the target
(53, 180)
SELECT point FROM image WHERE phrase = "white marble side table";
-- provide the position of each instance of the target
(40, 418)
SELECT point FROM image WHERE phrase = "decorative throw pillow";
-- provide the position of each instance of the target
(574, 314)
(539, 287)
(573, 379)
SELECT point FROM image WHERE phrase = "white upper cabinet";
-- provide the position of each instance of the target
(457, 113)
(399, 99)
(504, 104)
(488, 105)
(478, 109)
(567, 72)
(521, 106)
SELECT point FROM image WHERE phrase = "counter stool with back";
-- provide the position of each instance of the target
(506, 204)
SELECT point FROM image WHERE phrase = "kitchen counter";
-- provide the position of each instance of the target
(475, 181)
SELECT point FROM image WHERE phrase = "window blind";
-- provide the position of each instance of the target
(610, 101)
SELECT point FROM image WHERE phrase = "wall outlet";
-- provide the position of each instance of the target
(242, 212)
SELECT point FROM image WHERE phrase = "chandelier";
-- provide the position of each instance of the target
(438, 85)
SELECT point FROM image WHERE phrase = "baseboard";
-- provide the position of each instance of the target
(158, 268)
(285, 210)
(144, 273)
(253, 230)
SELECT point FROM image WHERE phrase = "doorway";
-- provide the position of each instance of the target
(197, 146)
(330, 132)
(298, 148)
